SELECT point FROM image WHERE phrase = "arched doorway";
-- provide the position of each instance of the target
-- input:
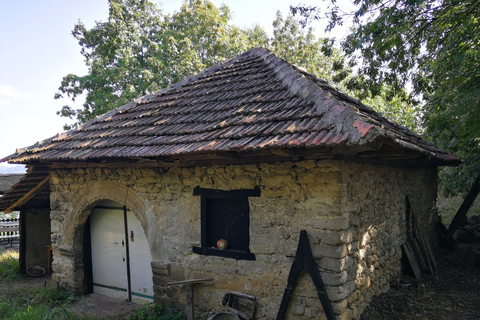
(116, 254)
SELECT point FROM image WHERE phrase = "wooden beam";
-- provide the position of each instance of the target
(29, 195)
(463, 210)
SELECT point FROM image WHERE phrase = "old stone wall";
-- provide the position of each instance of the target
(353, 214)
(375, 200)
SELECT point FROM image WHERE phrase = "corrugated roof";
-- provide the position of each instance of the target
(252, 103)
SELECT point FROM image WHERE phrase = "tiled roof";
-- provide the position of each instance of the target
(255, 103)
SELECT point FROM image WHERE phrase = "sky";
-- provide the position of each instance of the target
(37, 50)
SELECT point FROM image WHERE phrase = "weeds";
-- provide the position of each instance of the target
(41, 312)
(37, 303)
(30, 303)
(151, 311)
(8, 265)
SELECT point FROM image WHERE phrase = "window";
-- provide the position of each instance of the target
(225, 215)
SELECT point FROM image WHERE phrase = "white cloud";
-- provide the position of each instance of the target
(11, 92)
(5, 103)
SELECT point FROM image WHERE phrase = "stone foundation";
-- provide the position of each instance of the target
(354, 215)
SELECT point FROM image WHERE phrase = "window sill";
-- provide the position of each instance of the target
(234, 254)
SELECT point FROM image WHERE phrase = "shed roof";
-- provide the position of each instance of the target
(30, 187)
(249, 108)
(8, 180)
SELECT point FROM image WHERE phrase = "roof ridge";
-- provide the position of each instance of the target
(311, 88)
(301, 82)
(208, 71)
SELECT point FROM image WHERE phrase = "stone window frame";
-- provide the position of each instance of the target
(207, 195)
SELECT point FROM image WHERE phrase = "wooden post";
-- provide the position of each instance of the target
(462, 212)
(190, 298)
(22, 250)
(190, 301)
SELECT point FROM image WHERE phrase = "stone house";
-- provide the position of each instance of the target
(252, 151)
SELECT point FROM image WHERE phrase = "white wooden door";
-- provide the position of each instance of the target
(140, 261)
(109, 254)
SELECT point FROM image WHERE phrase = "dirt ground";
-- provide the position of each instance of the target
(100, 307)
(452, 293)
(94, 306)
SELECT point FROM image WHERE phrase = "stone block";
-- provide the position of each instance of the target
(159, 268)
(332, 223)
(336, 265)
(339, 307)
(321, 316)
(335, 238)
(338, 293)
(309, 164)
(276, 181)
(321, 251)
(334, 278)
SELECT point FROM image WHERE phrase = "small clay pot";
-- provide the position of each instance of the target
(222, 244)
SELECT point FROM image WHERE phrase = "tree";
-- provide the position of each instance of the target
(121, 56)
(431, 46)
(301, 47)
(396, 108)
(140, 50)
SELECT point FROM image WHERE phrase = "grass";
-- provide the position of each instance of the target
(30, 303)
(8, 265)
(448, 207)
(36, 303)
(18, 303)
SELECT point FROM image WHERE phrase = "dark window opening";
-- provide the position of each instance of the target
(225, 215)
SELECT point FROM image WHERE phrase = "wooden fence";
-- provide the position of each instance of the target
(9, 230)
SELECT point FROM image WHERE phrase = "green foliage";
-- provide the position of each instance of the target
(300, 46)
(36, 303)
(140, 50)
(9, 265)
(151, 311)
(40, 312)
(396, 109)
(29, 303)
(433, 47)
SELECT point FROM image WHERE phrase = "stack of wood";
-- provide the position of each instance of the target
(417, 253)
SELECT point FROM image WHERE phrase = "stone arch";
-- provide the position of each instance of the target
(82, 204)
